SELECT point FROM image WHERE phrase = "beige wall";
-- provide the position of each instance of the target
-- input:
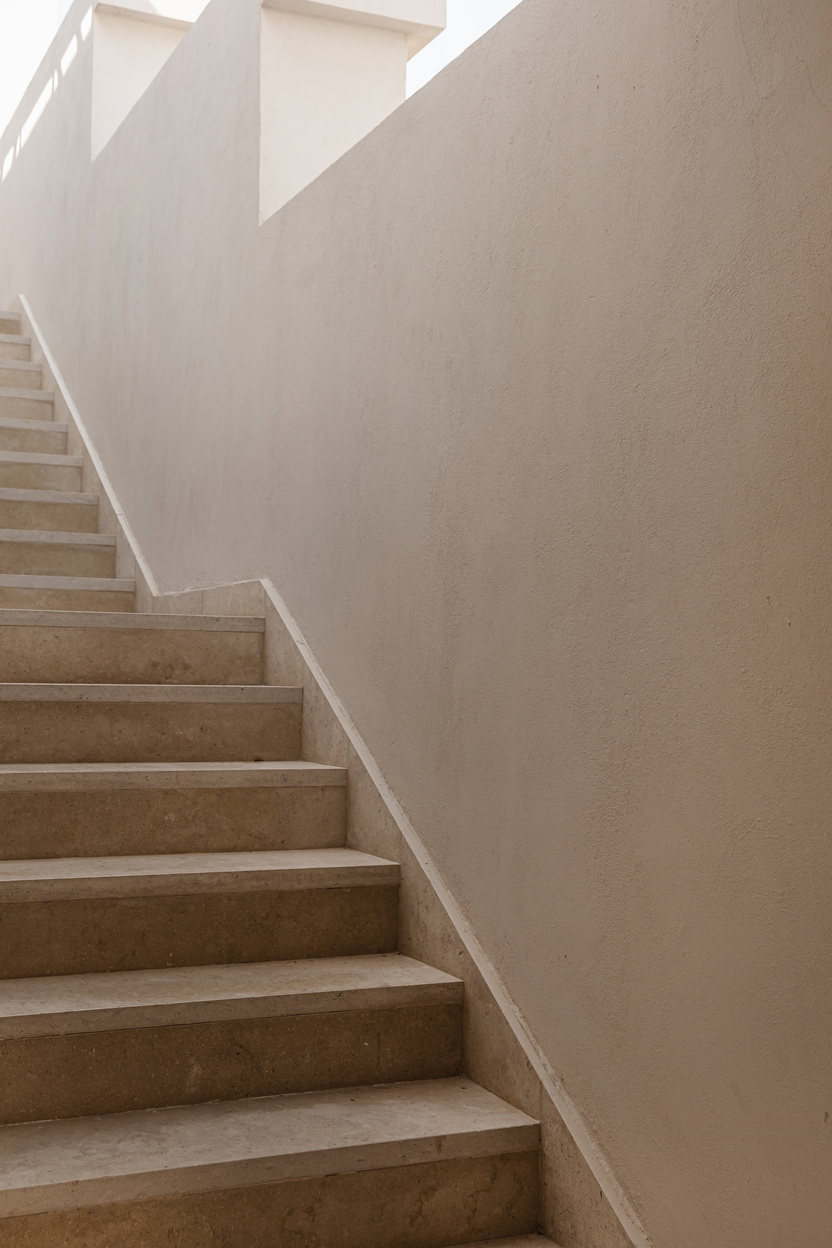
(525, 407)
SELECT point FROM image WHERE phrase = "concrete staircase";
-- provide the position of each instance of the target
(207, 1037)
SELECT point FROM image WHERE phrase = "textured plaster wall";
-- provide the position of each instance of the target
(525, 407)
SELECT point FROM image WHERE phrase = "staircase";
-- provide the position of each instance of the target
(207, 1037)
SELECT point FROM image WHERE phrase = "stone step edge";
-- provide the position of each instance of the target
(147, 1154)
(18, 340)
(40, 460)
(114, 693)
(15, 617)
(14, 392)
(179, 875)
(95, 777)
(67, 584)
(33, 426)
(10, 495)
(50, 537)
(63, 1005)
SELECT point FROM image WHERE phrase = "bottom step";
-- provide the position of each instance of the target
(383, 1167)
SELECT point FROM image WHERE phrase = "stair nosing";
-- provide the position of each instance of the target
(64, 497)
(75, 777)
(177, 996)
(11, 617)
(33, 426)
(68, 584)
(16, 392)
(29, 366)
(177, 875)
(249, 1142)
(29, 691)
(41, 459)
(52, 537)
(17, 340)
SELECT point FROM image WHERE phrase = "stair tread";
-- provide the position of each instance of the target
(105, 584)
(75, 776)
(116, 1000)
(34, 426)
(115, 693)
(148, 1153)
(36, 457)
(49, 537)
(17, 339)
(138, 619)
(29, 366)
(9, 495)
(53, 879)
(15, 392)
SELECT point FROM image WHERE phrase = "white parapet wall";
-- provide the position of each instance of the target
(329, 74)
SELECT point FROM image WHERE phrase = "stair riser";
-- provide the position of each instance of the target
(20, 407)
(51, 559)
(107, 1072)
(24, 476)
(130, 656)
(15, 351)
(119, 732)
(49, 517)
(9, 323)
(23, 599)
(19, 378)
(33, 441)
(170, 821)
(142, 933)
(415, 1206)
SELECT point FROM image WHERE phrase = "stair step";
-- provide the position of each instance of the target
(101, 1044)
(10, 323)
(39, 553)
(463, 1160)
(43, 437)
(109, 723)
(23, 470)
(56, 510)
(22, 374)
(15, 347)
(75, 809)
(97, 647)
(73, 593)
(23, 404)
(156, 875)
(74, 916)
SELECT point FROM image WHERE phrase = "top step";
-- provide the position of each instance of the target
(9, 322)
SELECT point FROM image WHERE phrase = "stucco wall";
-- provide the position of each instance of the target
(525, 407)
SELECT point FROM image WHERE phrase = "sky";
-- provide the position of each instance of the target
(27, 27)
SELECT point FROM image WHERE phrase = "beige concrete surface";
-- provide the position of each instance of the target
(410, 1206)
(41, 509)
(85, 1004)
(21, 470)
(36, 727)
(57, 554)
(51, 1166)
(46, 437)
(531, 434)
(24, 404)
(92, 647)
(15, 347)
(183, 814)
(87, 936)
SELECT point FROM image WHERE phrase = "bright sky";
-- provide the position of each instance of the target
(27, 28)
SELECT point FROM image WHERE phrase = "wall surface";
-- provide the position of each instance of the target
(524, 405)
